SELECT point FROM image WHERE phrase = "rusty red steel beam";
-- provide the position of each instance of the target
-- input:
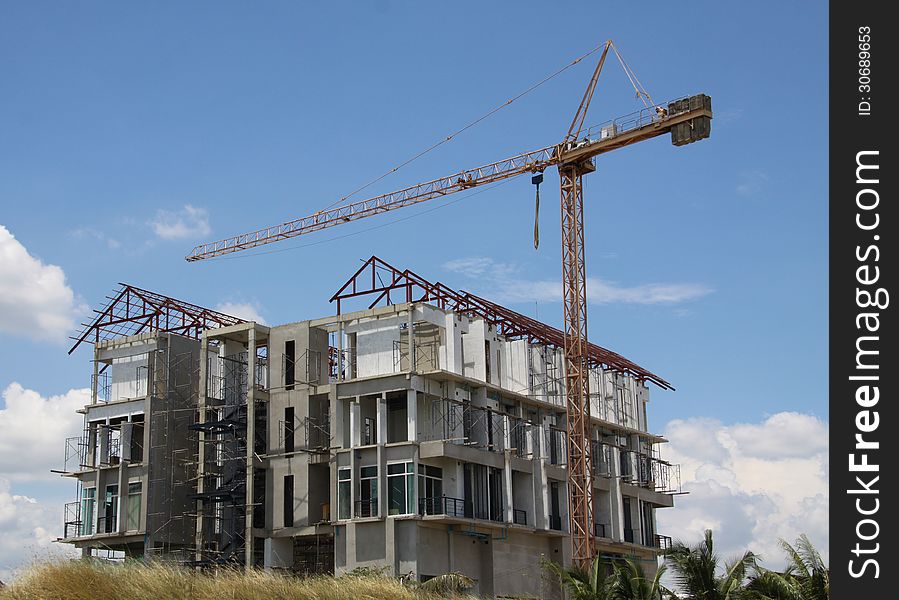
(157, 313)
(509, 323)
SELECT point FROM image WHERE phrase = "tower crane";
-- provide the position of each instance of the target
(687, 119)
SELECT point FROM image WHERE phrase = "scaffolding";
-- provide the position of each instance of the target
(545, 374)
(172, 450)
(224, 436)
(228, 504)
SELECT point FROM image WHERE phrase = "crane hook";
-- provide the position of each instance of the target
(537, 180)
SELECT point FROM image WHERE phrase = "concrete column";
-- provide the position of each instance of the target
(541, 495)
(507, 433)
(103, 432)
(450, 548)
(122, 481)
(354, 493)
(94, 379)
(507, 487)
(381, 419)
(127, 434)
(335, 416)
(412, 415)
(616, 506)
(382, 481)
(340, 361)
(201, 448)
(411, 329)
(390, 545)
(350, 546)
(251, 437)
(416, 493)
(355, 422)
(541, 442)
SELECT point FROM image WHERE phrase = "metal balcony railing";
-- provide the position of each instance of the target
(103, 386)
(602, 459)
(444, 505)
(557, 446)
(662, 542)
(600, 530)
(366, 508)
(461, 423)
(76, 453)
(72, 523)
(519, 516)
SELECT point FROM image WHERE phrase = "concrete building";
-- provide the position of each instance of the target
(424, 436)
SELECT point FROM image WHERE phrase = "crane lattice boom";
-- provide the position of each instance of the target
(633, 128)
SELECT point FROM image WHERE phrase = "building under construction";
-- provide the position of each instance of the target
(419, 429)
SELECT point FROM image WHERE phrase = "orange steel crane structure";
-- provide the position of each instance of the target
(688, 120)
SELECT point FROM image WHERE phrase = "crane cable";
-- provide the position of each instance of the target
(465, 128)
(642, 94)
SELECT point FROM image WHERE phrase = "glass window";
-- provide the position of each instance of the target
(110, 518)
(132, 516)
(88, 508)
(400, 490)
(344, 480)
(367, 505)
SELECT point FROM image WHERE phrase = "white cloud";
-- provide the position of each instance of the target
(88, 233)
(752, 183)
(243, 310)
(33, 430)
(503, 285)
(28, 528)
(35, 301)
(751, 483)
(189, 222)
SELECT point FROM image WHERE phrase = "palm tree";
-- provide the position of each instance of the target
(805, 578)
(696, 571)
(581, 584)
(630, 583)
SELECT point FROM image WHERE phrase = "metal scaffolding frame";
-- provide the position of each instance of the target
(171, 454)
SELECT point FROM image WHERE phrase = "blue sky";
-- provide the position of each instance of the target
(132, 132)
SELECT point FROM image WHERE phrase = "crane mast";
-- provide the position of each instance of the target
(687, 119)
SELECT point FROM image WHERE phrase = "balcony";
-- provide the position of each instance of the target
(602, 459)
(663, 542)
(650, 472)
(72, 523)
(460, 509)
(443, 505)
(460, 423)
(519, 516)
(557, 446)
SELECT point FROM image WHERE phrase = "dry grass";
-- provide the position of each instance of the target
(90, 580)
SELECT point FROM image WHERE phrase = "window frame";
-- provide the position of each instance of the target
(408, 476)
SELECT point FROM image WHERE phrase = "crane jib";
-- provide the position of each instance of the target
(687, 119)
